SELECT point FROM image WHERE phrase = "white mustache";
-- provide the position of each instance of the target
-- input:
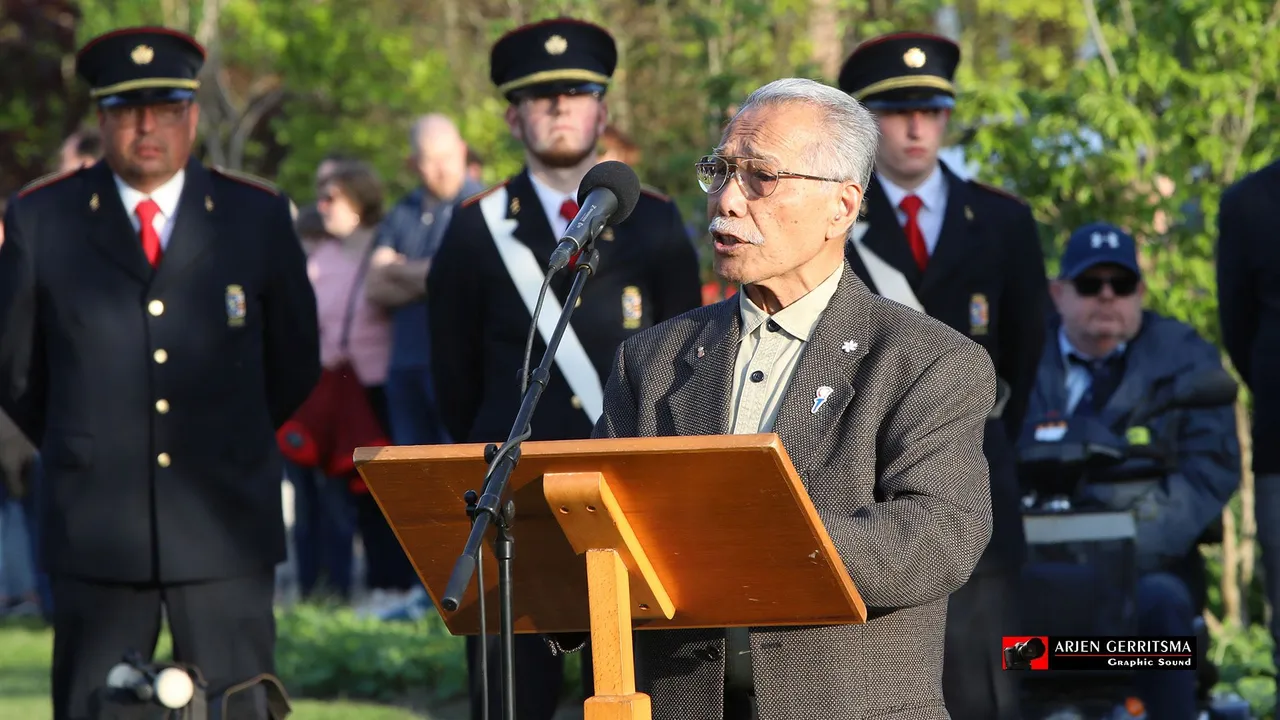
(725, 226)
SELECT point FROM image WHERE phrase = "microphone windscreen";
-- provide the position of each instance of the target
(618, 178)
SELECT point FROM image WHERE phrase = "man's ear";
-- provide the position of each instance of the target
(848, 204)
(513, 122)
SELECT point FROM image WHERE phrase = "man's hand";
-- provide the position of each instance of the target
(394, 280)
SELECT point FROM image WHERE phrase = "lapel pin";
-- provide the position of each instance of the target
(515, 205)
(968, 213)
(208, 203)
(849, 346)
(701, 351)
(93, 202)
(824, 392)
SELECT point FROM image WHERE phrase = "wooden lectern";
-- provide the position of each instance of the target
(677, 532)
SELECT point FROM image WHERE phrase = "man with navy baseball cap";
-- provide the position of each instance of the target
(1102, 357)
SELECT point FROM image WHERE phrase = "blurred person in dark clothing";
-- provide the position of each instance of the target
(158, 327)
(1249, 311)
(491, 263)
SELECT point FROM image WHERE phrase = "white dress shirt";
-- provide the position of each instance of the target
(166, 196)
(551, 200)
(933, 193)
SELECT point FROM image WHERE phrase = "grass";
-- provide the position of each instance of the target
(26, 652)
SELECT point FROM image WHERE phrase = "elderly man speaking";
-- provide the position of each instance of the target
(893, 458)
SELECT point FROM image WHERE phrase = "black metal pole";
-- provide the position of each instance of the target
(487, 509)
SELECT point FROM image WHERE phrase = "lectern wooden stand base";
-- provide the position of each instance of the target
(613, 535)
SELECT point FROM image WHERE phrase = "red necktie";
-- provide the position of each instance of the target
(147, 210)
(569, 211)
(911, 205)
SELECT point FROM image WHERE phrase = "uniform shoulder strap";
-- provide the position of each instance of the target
(999, 191)
(483, 194)
(249, 179)
(46, 181)
(654, 193)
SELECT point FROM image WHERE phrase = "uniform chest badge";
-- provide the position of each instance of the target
(632, 307)
(236, 306)
(979, 314)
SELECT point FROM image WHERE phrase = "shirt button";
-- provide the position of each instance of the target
(162, 459)
(156, 308)
(772, 326)
(160, 356)
(162, 406)
(757, 376)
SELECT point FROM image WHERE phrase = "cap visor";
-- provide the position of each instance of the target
(150, 96)
(1081, 267)
(555, 89)
(935, 102)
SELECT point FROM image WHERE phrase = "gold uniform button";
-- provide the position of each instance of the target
(160, 356)
(156, 308)
(576, 402)
(162, 406)
(162, 459)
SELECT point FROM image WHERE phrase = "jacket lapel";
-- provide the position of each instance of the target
(193, 229)
(524, 206)
(884, 235)
(700, 406)
(809, 429)
(958, 239)
(111, 231)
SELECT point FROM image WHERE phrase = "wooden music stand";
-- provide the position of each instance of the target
(678, 532)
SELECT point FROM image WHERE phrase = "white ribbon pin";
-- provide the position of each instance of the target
(824, 392)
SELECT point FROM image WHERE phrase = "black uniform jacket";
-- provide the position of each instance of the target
(648, 272)
(154, 395)
(985, 278)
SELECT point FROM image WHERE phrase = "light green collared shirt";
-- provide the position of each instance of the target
(768, 351)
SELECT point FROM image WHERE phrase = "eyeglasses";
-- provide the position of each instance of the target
(165, 115)
(757, 178)
(1121, 285)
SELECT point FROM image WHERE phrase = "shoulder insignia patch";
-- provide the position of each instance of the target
(45, 181)
(483, 194)
(245, 178)
(999, 191)
(654, 193)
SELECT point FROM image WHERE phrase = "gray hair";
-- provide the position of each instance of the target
(425, 125)
(846, 147)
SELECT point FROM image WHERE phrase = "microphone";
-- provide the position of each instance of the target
(171, 687)
(606, 196)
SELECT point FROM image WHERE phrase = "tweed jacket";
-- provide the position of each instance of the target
(894, 465)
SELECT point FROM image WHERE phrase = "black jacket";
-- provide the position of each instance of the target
(1249, 300)
(154, 395)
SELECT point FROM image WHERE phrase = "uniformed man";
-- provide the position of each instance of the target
(156, 327)
(491, 265)
(970, 255)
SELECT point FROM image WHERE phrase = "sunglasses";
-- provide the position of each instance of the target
(758, 178)
(1121, 285)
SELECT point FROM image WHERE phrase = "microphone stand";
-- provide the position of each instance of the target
(485, 511)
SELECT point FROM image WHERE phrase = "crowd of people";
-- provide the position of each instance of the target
(234, 338)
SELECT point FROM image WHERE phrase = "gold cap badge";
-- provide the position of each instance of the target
(914, 58)
(556, 45)
(142, 55)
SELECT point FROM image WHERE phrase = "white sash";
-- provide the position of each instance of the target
(889, 280)
(528, 277)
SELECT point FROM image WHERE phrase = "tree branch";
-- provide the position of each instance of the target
(1095, 29)
(1230, 167)
(248, 122)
